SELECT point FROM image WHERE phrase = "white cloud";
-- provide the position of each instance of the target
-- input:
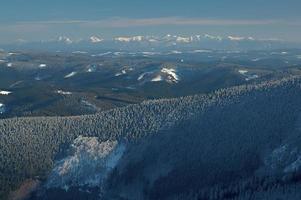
(128, 22)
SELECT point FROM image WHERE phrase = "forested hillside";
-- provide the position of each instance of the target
(225, 137)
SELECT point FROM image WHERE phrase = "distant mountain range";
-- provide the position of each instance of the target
(166, 42)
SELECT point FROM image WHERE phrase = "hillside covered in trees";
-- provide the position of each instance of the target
(236, 143)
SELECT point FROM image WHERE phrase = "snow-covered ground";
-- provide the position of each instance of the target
(89, 165)
(165, 74)
(172, 74)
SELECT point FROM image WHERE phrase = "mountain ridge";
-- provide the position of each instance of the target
(44, 137)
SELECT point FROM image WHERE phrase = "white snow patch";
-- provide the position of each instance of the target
(12, 53)
(243, 72)
(157, 78)
(71, 74)
(121, 73)
(248, 76)
(42, 65)
(2, 92)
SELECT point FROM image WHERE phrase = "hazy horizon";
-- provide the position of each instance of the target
(35, 20)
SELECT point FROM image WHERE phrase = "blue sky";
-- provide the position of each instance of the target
(47, 19)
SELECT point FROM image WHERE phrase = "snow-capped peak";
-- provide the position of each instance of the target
(184, 39)
(236, 38)
(239, 38)
(122, 39)
(137, 38)
(65, 40)
(212, 37)
(129, 39)
(172, 74)
(95, 39)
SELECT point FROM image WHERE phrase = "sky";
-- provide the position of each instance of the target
(34, 20)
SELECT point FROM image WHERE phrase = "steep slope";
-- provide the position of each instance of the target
(173, 147)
